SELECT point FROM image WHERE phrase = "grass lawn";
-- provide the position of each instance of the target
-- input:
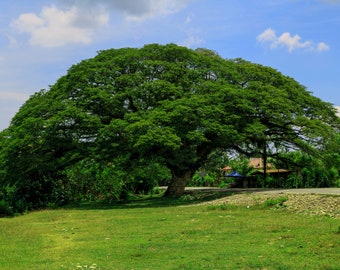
(157, 235)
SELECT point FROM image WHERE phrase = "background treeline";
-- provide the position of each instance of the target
(303, 171)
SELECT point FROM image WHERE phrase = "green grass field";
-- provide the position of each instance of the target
(158, 235)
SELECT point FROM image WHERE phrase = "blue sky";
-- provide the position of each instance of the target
(41, 39)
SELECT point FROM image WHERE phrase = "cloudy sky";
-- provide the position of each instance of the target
(41, 39)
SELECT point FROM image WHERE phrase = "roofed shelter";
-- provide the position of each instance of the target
(257, 165)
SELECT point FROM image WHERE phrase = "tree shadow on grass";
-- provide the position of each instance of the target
(152, 201)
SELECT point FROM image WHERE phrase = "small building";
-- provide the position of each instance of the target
(251, 180)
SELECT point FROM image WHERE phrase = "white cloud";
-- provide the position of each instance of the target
(54, 27)
(146, 9)
(322, 47)
(292, 43)
(268, 35)
(76, 21)
(28, 22)
(288, 41)
(192, 41)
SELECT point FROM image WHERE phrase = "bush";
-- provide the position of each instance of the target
(90, 181)
(203, 179)
(5, 209)
(277, 202)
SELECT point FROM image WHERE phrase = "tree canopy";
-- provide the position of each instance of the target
(159, 108)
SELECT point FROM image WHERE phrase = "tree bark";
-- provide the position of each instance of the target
(177, 185)
(264, 164)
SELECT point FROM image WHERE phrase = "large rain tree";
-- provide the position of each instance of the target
(168, 105)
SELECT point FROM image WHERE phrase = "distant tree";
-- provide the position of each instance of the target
(166, 105)
(308, 171)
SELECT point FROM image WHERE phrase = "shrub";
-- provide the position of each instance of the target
(203, 179)
(5, 209)
(277, 202)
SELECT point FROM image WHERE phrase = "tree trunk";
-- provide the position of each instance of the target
(264, 164)
(177, 185)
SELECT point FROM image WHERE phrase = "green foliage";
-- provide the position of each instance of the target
(90, 181)
(241, 165)
(221, 207)
(166, 109)
(308, 171)
(294, 180)
(5, 209)
(276, 202)
(210, 174)
(203, 179)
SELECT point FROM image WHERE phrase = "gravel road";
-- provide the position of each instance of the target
(325, 191)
